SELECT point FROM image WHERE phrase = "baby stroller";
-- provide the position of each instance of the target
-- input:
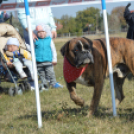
(7, 31)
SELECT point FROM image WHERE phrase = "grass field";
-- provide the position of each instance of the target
(60, 115)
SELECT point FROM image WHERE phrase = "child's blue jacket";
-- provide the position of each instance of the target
(43, 50)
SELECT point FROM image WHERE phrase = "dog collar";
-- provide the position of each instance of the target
(70, 72)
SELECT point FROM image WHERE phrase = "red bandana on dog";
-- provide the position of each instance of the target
(70, 72)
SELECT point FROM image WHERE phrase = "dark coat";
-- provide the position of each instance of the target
(129, 17)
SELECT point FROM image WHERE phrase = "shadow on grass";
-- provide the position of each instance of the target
(123, 114)
(3, 90)
(53, 114)
(126, 115)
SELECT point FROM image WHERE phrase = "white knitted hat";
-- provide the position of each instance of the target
(46, 28)
(12, 41)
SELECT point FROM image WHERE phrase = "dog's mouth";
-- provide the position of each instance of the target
(83, 58)
(86, 61)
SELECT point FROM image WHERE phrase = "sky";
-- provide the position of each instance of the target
(71, 10)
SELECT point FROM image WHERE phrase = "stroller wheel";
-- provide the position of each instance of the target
(22, 87)
(16, 91)
(11, 91)
(27, 86)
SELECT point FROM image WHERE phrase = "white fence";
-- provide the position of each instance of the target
(76, 34)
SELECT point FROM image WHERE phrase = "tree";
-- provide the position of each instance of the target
(57, 21)
(114, 23)
(72, 25)
(87, 16)
(119, 12)
(90, 16)
(101, 23)
(68, 23)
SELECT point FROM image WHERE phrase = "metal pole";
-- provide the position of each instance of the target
(34, 65)
(109, 55)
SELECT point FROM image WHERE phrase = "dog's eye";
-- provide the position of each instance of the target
(86, 46)
(75, 50)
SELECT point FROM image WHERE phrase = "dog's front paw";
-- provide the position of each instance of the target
(78, 101)
(90, 113)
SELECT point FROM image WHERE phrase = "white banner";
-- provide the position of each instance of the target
(54, 3)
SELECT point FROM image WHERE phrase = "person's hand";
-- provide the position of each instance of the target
(54, 34)
(34, 36)
(10, 64)
(128, 5)
(54, 63)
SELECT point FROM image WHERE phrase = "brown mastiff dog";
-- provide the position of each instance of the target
(88, 60)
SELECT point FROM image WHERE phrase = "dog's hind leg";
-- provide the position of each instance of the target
(118, 83)
(72, 90)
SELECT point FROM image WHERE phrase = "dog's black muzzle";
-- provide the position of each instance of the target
(83, 57)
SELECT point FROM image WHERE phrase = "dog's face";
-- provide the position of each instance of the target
(78, 51)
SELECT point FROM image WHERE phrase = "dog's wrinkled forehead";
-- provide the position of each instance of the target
(77, 43)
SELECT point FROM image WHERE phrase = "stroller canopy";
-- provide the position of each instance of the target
(7, 31)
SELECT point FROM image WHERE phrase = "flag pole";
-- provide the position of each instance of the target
(109, 55)
(39, 117)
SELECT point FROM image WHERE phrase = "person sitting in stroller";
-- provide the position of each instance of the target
(10, 52)
(18, 57)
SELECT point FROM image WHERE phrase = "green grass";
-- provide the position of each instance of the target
(60, 115)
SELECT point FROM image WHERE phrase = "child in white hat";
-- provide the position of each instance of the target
(16, 57)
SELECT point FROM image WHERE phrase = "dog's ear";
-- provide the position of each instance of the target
(89, 41)
(65, 48)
